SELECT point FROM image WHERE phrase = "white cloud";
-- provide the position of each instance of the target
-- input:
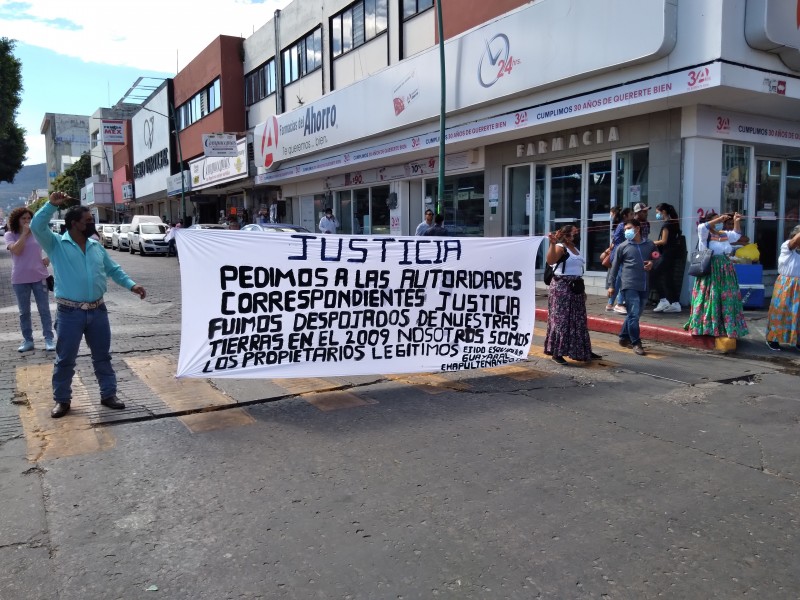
(155, 35)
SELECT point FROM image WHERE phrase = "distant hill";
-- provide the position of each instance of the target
(29, 178)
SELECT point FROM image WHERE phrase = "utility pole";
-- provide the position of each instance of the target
(442, 108)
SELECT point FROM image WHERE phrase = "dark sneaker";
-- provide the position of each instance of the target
(625, 342)
(638, 350)
(560, 360)
(774, 346)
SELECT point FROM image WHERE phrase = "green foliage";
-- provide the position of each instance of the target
(12, 136)
(74, 177)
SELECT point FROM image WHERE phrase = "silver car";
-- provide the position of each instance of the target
(119, 239)
(106, 233)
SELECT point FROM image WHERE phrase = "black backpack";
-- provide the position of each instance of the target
(550, 271)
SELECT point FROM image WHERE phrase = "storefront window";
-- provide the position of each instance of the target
(632, 178)
(379, 210)
(792, 206)
(462, 203)
(363, 211)
(768, 195)
(735, 165)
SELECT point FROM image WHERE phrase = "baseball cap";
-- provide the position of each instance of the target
(639, 207)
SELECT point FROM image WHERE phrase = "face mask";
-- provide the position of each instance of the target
(576, 239)
(659, 217)
(630, 234)
(90, 230)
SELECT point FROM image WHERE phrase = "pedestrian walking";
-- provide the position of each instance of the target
(716, 305)
(783, 319)
(633, 262)
(28, 276)
(567, 325)
(663, 278)
(617, 303)
(82, 267)
(438, 228)
(328, 223)
(426, 224)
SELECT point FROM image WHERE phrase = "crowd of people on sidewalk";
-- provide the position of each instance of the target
(638, 266)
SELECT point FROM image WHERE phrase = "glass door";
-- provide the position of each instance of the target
(768, 197)
(598, 206)
(580, 193)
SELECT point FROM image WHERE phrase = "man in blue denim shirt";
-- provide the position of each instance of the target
(82, 267)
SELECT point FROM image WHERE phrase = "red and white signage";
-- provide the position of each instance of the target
(113, 133)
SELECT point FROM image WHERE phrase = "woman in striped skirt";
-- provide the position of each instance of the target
(783, 320)
(716, 305)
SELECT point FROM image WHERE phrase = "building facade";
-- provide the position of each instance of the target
(66, 140)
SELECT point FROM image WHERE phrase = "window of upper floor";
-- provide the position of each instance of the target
(302, 57)
(198, 106)
(94, 139)
(260, 83)
(413, 7)
(357, 24)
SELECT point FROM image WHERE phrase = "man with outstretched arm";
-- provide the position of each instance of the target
(81, 266)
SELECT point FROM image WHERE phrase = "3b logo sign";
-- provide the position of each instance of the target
(266, 137)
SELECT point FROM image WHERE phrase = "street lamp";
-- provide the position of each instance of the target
(442, 107)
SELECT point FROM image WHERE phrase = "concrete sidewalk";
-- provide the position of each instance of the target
(668, 327)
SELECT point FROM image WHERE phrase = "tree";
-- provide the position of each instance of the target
(74, 177)
(12, 137)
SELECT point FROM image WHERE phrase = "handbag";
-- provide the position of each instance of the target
(51, 282)
(605, 258)
(700, 262)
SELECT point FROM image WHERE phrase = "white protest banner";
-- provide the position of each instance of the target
(270, 305)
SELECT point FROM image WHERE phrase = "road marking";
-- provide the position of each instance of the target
(328, 401)
(218, 419)
(430, 383)
(518, 372)
(49, 438)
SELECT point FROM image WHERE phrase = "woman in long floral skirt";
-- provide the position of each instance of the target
(716, 304)
(567, 328)
(783, 320)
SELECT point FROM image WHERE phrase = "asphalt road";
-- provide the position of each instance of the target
(673, 475)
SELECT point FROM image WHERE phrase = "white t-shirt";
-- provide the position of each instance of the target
(328, 225)
(789, 261)
(573, 266)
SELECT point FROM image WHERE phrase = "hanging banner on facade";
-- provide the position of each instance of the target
(220, 144)
(259, 305)
(113, 133)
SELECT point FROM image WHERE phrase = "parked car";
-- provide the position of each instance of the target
(148, 238)
(106, 232)
(119, 239)
(275, 228)
(58, 226)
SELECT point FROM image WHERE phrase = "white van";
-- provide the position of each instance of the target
(136, 219)
(148, 238)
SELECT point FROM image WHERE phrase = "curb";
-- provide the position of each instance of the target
(656, 333)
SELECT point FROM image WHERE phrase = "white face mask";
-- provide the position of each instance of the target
(630, 234)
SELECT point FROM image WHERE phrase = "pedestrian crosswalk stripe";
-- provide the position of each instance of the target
(219, 419)
(49, 438)
(157, 372)
(327, 401)
(430, 383)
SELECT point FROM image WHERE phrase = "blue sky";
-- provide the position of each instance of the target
(83, 55)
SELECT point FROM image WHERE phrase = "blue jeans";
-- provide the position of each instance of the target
(634, 302)
(618, 299)
(72, 324)
(42, 297)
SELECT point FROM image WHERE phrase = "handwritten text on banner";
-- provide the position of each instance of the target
(305, 305)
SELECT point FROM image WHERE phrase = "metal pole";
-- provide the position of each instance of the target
(180, 163)
(442, 108)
